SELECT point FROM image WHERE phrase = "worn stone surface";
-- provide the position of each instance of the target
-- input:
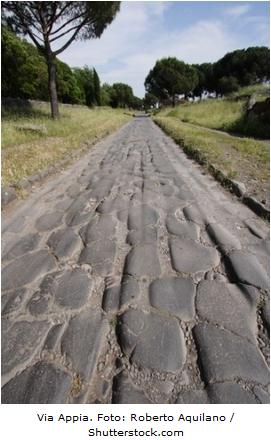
(228, 306)
(125, 392)
(49, 221)
(139, 336)
(223, 238)
(247, 269)
(100, 267)
(141, 216)
(12, 301)
(189, 257)
(27, 244)
(225, 356)
(100, 255)
(73, 289)
(22, 342)
(82, 340)
(230, 393)
(143, 260)
(175, 295)
(25, 269)
(64, 243)
(100, 228)
(182, 229)
(145, 235)
(43, 383)
(193, 397)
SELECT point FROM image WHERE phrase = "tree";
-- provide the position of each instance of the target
(85, 81)
(149, 101)
(226, 85)
(169, 78)
(97, 87)
(121, 95)
(47, 23)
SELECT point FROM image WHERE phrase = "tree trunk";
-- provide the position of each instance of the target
(51, 62)
(173, 100)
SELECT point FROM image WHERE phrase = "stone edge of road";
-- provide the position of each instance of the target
(235, 187)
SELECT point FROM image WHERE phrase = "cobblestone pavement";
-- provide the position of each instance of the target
(134, 278)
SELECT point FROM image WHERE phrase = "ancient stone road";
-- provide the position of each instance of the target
(134, 278)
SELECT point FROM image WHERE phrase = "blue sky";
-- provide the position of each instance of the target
(194, 31)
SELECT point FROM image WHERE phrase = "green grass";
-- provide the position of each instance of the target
(32, 141)
(243, 159)
(225, 114)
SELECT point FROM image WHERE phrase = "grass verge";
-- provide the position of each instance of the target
(32, 141)
(241, 159)
(227, 114)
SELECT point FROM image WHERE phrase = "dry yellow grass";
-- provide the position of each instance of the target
(26, 152)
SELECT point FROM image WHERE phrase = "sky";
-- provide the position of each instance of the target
(192, 31)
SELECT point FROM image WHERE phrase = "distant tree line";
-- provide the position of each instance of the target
(171, 77)
(25, 75)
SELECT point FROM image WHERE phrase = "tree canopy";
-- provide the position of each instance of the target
(171, 77)
(49, 23)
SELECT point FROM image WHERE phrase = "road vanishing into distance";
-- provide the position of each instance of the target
(133, 277)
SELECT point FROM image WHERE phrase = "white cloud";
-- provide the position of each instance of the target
(237, 11)
(130, 46)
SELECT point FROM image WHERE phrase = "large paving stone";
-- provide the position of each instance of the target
(27, 268)
(247, 269)
(117, 296)
(73, 289)
(228, 306)
(182, 229)
(20, 342)
(26, 244)
(144, 235)
(222, 237)
(12, 301)
(43, 299)
(175, 295)
(111, 299)
(193, 397)
(64, 243)
(100, 255)
(225, 356)
(141, 216)
(230, 393)
(117, 204)
(100, 228)
(143, 260)
(190, 257)
(261, 395)
(83, 340)
(42, 383)
(129, 290)
(77, 212)
(195, 214)
(138, 333)
(125, 392)
(101, 189)
(49, 221)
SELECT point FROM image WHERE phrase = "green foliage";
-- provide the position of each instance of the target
(46, 23)
(171, 77)
(97, 87)
(227, 85)
(121, 95)
(24, 71)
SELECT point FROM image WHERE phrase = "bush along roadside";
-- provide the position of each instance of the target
(236, 187)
